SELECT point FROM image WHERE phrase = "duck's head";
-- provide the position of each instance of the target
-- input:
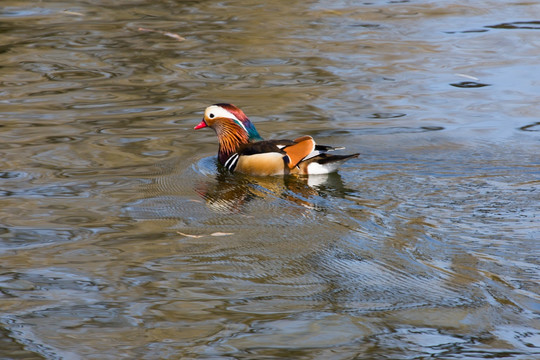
(223, 118)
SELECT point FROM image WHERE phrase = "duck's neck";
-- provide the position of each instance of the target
(230, 136)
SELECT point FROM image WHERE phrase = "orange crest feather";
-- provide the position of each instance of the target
(297, 152)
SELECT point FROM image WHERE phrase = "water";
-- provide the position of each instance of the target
(121, 239)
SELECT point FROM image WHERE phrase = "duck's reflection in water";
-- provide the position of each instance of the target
(232, 192)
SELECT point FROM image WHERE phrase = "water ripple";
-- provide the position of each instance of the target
(530, 25)
(469, 84)
(531, 127)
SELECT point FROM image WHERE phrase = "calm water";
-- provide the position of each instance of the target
(120, 239)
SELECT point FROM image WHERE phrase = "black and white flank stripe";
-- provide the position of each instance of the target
(231, 162)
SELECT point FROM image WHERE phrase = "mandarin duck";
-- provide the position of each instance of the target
(243, 150)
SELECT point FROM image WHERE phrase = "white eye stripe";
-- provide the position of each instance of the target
(218, 111)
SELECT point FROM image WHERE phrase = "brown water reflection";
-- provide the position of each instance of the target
(120, 238)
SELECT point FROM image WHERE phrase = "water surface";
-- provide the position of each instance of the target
(120, 237)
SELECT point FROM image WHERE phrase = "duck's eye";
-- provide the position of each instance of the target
(211, 116)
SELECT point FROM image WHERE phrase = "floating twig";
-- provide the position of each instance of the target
(217, 233)
(69, 12)
(468, 77)
(166, 33)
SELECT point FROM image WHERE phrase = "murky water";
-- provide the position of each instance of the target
(121, 239)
